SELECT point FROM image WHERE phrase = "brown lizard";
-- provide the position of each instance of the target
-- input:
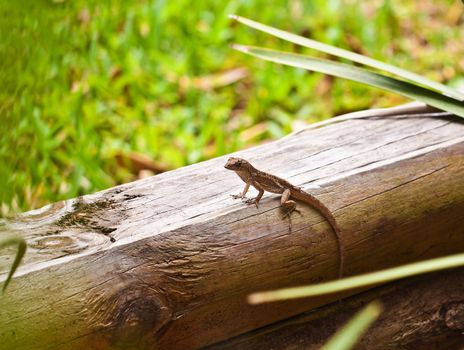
(267, 182)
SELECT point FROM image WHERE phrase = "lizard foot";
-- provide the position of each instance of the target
(237, 196)
(288, 212)
(252, 201)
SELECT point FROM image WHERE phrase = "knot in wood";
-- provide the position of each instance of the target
(138, 317)
(454, 315)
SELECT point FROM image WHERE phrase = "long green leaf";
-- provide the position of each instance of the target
(352, 56)
(359, 281)
(359, 75)
(347, 337)
(8, 240)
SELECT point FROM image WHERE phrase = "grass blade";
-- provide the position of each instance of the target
(347, 337)
(9, 240)
(359, 75)
(352, 56)
(359, 281)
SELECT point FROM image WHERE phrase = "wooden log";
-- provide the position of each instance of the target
(166, 262)
(423, 313)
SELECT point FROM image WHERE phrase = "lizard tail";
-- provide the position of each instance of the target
(319, 206)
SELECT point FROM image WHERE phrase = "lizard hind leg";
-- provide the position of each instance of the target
(288, 206)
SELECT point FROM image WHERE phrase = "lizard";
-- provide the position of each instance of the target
(263, 181)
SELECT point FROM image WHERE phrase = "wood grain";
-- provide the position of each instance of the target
(166, 262)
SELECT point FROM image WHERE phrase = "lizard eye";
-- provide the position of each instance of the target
(232, 164)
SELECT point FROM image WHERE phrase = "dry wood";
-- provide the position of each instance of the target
(166, 262)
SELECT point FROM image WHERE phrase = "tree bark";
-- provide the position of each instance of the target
(166, 262)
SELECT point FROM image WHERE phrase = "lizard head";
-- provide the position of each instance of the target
(236, 164)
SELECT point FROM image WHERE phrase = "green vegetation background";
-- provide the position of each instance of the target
(89, 87)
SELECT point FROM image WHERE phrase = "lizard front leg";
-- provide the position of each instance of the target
(258, 197)
(242, 195)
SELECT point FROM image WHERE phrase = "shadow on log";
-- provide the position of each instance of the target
(166, 262)
(423, 313)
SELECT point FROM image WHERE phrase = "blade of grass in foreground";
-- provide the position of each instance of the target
(352, 56)
(359, 281)
(347, 337)
(359, 75)
(9, 240)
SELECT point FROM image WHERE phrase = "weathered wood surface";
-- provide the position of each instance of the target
(185, 253)
(423, 313)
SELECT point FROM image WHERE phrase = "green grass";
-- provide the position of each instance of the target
(85, 80)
